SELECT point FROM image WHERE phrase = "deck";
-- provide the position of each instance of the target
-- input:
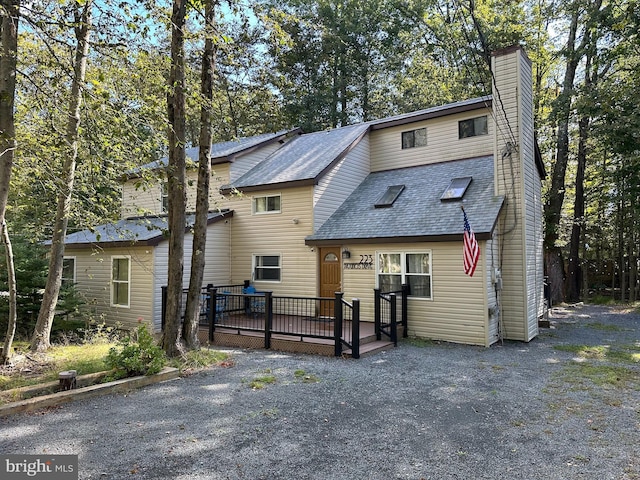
(290, 333)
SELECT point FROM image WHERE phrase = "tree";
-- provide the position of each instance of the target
(176, 174)
(9, 15)
(82, 27)
(582, 17)
(192, 309)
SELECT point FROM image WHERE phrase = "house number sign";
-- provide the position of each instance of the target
(365, 263)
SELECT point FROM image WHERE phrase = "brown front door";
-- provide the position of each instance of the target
(330, 277)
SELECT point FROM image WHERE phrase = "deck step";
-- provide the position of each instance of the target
(371, 348)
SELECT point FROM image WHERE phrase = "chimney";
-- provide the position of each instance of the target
(518, 179)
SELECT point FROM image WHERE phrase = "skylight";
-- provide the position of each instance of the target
(456, 188)
(390, 196)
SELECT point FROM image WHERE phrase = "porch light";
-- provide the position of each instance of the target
(346, 254)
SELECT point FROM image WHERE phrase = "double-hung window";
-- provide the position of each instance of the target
(473, 127)
(267, 268)
(412, 268)
(120, 280)
(266, 204)
(164, 197)
(68, 271)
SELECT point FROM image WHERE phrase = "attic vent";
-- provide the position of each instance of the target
(390, 196)
(456, 188)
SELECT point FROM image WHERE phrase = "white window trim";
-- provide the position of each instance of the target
(119, 257)
(164, 193)
(273, 212)
(75, 268)
(403, 268)
(254, 256)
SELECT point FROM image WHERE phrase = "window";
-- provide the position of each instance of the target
(472, 127)
(456, 188)
(266, 268)
(389, 197)
(412, 268)
(266, 204)
(330, 257)
(68, 271)
(164, 197)
(414, 138)
(120, 281)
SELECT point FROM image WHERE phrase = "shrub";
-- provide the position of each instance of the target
(136, 357)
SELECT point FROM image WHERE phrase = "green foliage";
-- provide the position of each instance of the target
(31, 274)
(136, 356)
(267, 378)
(85, 359)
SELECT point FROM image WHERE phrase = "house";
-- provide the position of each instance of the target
(376, 204)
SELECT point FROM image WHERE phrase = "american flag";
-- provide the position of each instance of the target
(471, 251)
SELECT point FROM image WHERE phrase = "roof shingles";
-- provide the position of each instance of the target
(418, 213)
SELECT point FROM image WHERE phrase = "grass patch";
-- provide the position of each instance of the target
(584, 375)
(585, 351)
(601, 300)
(41, 368)
(621, 354)
(85, 358)
(305, 377)
(261, 382)
(604, 327)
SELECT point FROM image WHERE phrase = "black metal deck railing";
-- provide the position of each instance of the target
(296, 317)
(230, 307)
(389, 312)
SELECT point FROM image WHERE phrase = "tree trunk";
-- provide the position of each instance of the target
(555, 274)
(41, 335)
(621, 240)
(9, 15)
(192, 310)
(575, 265)
(563, 107)
(13, 306)
(176, 174)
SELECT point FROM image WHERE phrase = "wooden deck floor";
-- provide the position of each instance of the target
(289, 333)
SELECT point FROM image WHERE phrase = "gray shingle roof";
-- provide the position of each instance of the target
(223, 151)
(418, 214)
(140, 230)
(305, 158)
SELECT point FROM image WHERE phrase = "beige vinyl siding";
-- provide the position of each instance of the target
(334, 188)
(276, 234)
(511, 177)
(442, 143)
(219, 177)
(140, 199)
(243, 163)
(93, 277)
(532, 204)
(445, 316)
(217, 269)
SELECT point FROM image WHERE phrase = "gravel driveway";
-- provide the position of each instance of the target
(542, 410)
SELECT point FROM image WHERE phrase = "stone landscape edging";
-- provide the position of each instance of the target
(54, 399)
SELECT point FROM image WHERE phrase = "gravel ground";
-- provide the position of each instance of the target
(420, 411)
